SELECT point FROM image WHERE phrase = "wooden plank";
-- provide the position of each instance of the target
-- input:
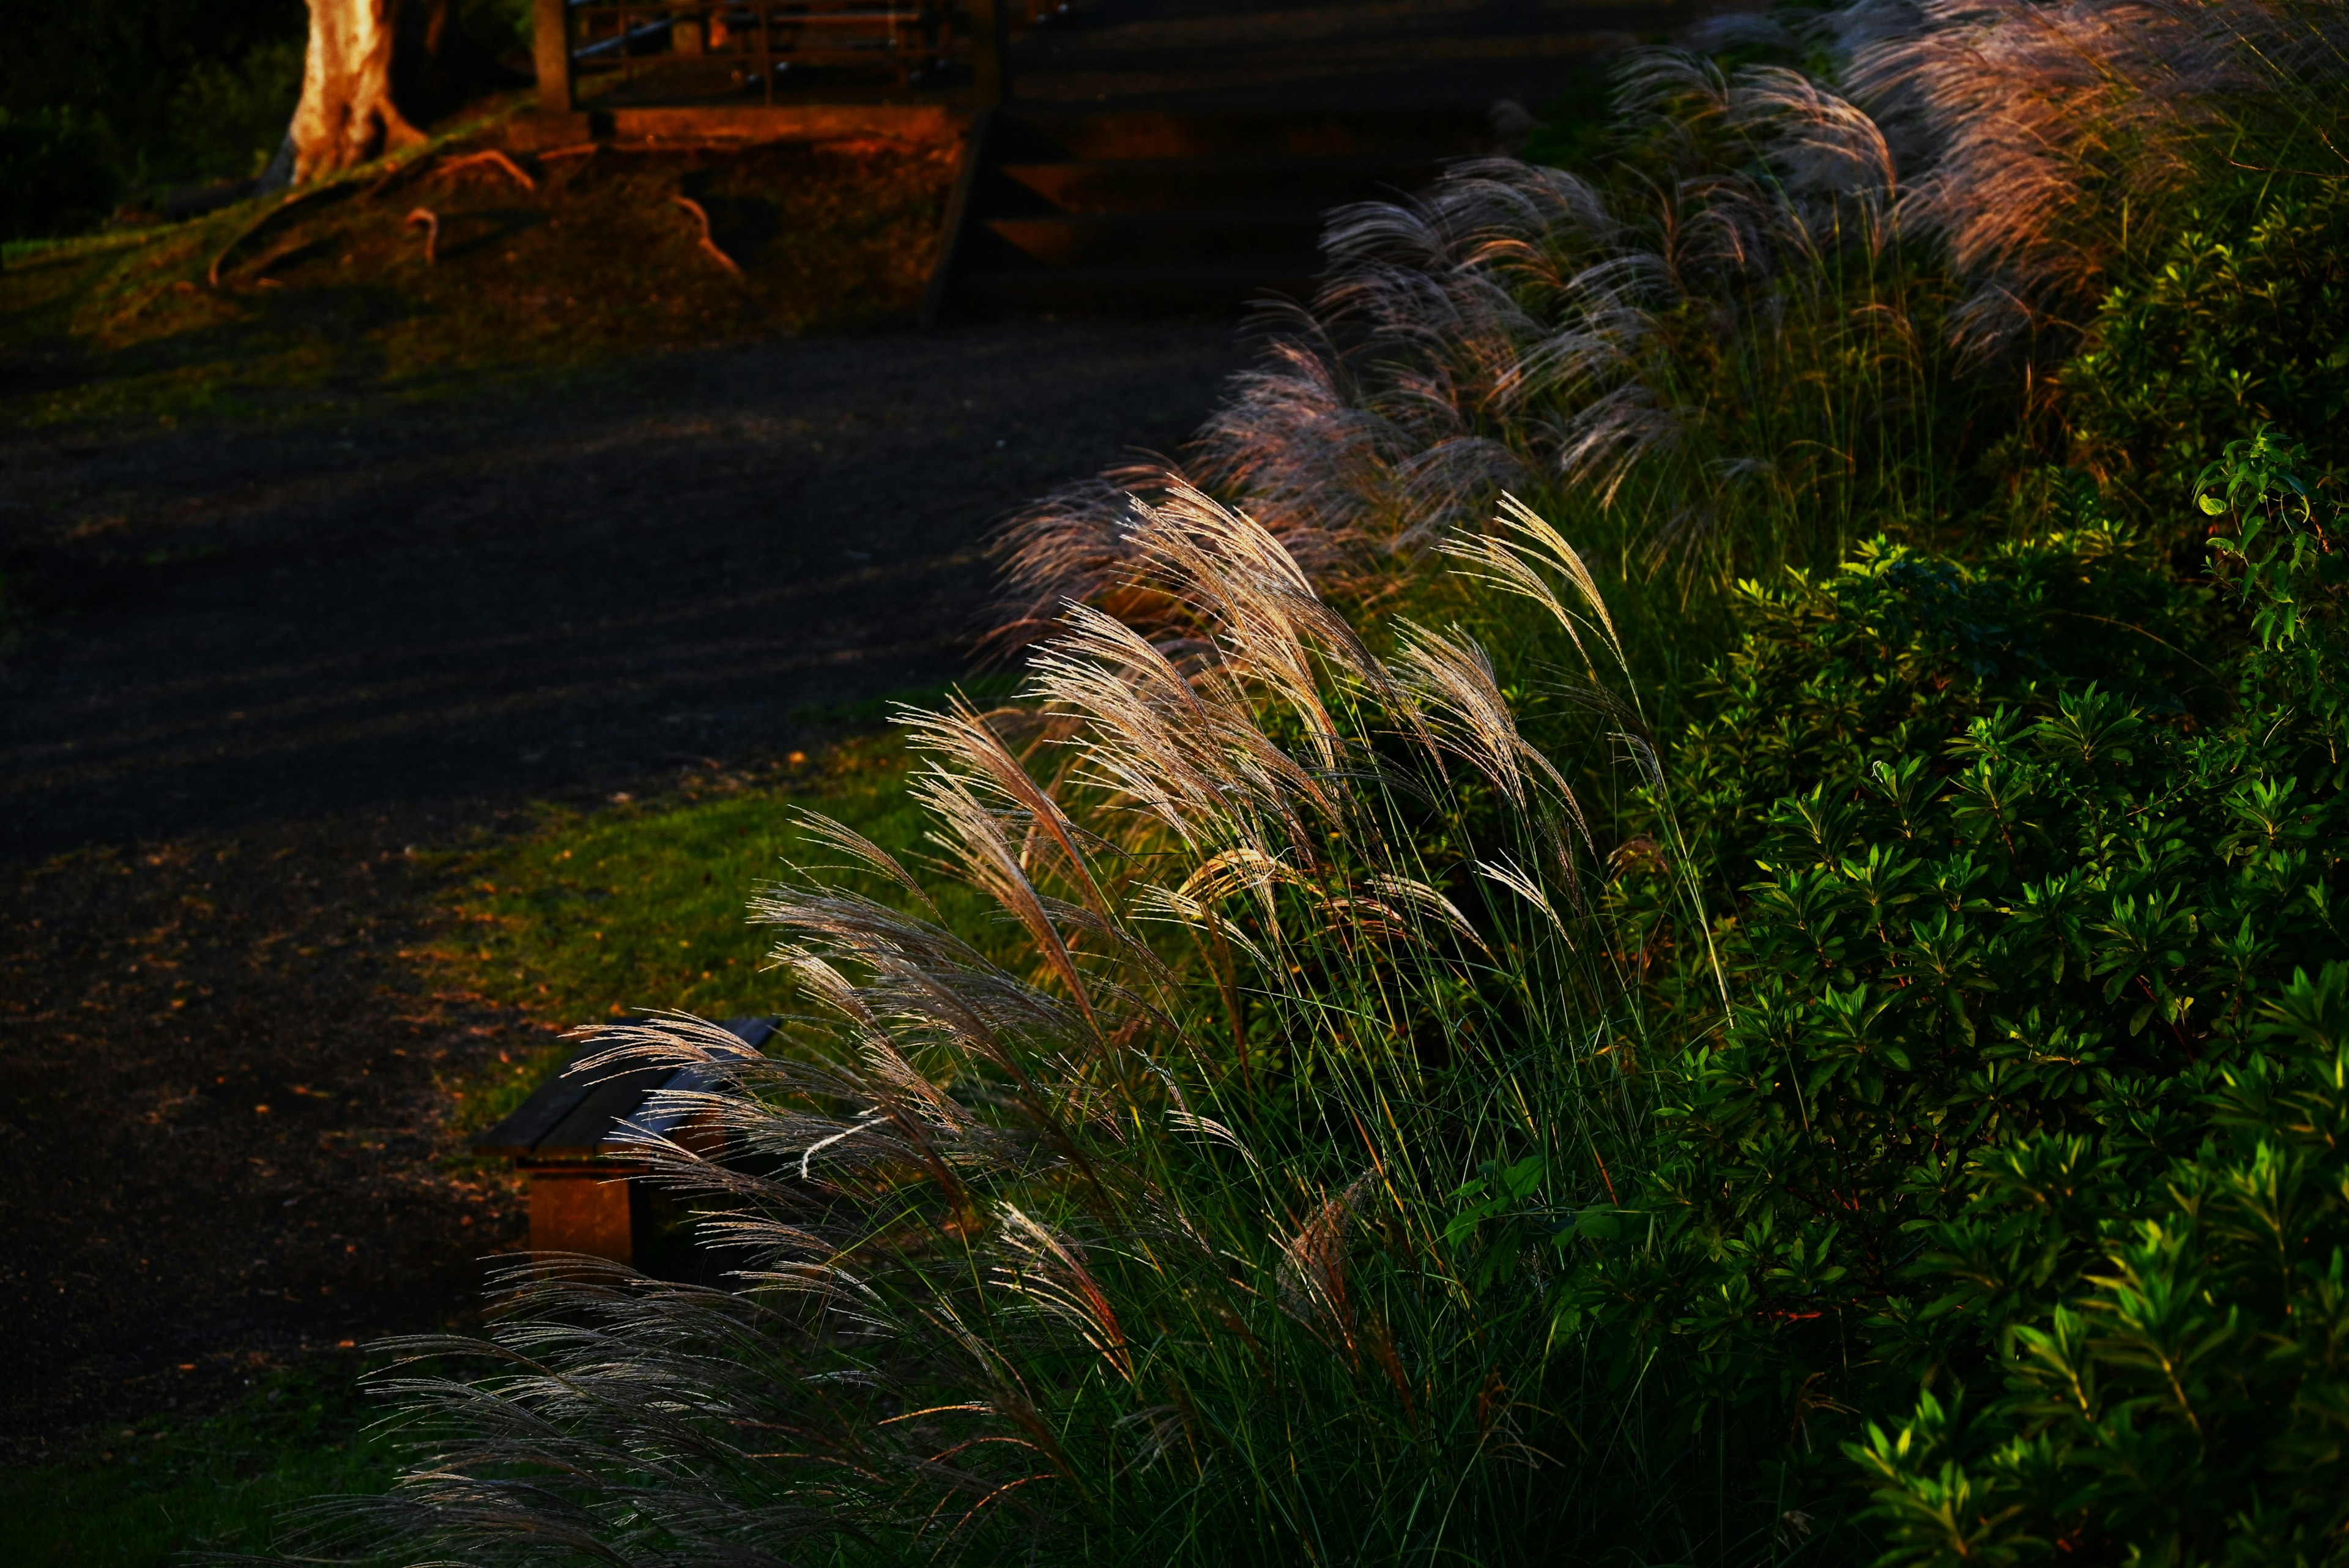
(571, 1117)
(536, 1118)
(976, 144)
(789, 122)
(679, 1125)
(991, 61)
(580, 1135)
(753, 1031)
(582, 1211)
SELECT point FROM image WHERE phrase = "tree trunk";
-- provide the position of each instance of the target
(347, 115)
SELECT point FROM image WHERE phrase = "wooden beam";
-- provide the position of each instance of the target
(814, 121)
(960, 207)
(551, 50)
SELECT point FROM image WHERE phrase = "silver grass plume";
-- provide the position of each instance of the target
(2030, 129)
(1515, 328)
(1732, 357)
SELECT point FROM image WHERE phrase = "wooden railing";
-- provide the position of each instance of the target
(743, 53)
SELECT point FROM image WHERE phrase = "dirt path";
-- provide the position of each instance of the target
(261, 662)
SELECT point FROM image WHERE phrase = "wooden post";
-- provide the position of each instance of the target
(552, 50)
(951, 237)
(990, 56)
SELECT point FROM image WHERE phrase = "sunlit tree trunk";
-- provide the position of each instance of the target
(347, 115)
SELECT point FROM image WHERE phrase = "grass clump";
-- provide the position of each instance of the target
(2021, 914)
(1206, 1211)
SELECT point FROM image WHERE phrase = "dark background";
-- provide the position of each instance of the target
(102, 101)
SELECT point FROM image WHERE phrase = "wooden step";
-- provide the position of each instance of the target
(1048, 135)
(1186, 154)
(1126, 291)
(1138, 210)
(1281, 242)
(1179, 184)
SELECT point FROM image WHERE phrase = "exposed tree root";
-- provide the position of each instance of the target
(431, 222)
(495, 160)
(701, 215)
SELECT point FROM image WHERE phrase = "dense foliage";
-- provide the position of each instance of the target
(2243, 321)
(2021, 966)
(54, 164)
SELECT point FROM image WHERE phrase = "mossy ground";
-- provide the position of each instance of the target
(642, 905)
(145, 1493)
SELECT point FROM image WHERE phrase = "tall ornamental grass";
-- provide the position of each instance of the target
(1174, 1245)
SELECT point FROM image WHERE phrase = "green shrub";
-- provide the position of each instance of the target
(2162, 1287)
(55, 169)
(126, 61)
(2243, 321)
(2023, 900)
(2182, 1397)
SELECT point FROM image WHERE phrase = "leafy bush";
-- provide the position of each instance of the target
(55, 166)
(127, 61)
(2162, 1287)
(2021, 913)
(2244, 321)
(2177, 1387)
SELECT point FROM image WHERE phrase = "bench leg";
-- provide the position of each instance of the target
(583, 1211)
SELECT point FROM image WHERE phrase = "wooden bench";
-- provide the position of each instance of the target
(564, 1139)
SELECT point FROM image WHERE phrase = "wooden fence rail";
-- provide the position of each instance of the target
(735, 53)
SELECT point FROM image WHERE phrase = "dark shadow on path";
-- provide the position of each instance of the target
(536, 591)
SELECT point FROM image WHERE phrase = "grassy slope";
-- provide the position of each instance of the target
(332, 294)
(641, 905)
